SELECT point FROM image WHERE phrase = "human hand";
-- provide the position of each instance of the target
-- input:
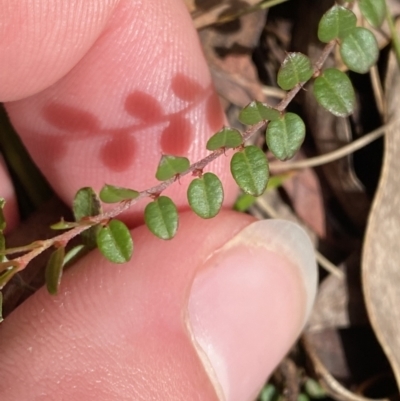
(97, 93)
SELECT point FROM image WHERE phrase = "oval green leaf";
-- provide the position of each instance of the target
(161, 217)
(112, 194)
(2, 247)
(334, 91)
(170, 166)
(243, 202)
(359, 50)
(64, 225)
(295, 68)
(256, 111)
(205, 195)
(374, 11)
(115, 242)
(2, 218)
(336, 23)
(86, 203)
(54, 270)
(249, 168)
(225, 138)
(285, 136)
(75, 253)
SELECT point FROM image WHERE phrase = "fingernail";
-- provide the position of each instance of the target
(249, 302)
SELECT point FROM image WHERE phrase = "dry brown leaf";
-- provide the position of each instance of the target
(332, 386)
(381, 255)
(210, 12)
(339, 303)
(305, 196)
(228, 51)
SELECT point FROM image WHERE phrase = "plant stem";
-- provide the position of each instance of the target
(22, 261)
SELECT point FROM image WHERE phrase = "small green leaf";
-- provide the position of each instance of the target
(161, 217)
(336, 23)
(314, 389)
(75, 254)
(285, 136)
(115, 242)
(359, 50)
(249, 168)
(374, 11)
(54, 270)
(112, 194)
(205, 195)
(278, 180)
(7, 275)
(64, 225)
(243, 202)
(2, 247)
(255, 112)
(2, 218)
(170, 166)
(225, 138)
(334, 91)
(86, 204)
(295, 68)
(269, 393)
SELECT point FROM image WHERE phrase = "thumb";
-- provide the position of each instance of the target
(204, 317)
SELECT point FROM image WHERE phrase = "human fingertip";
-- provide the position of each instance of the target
(249, 303)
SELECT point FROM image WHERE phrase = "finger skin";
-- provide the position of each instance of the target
(41, 40)
(142, 90)
(7, 193)
(116, 331)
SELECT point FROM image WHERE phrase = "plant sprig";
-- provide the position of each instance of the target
(249, 166)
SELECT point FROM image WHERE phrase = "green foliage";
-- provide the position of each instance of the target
(75, 253)
(285, 136)
(86, 203)
(296, 68)
(334, 91)
(314, 389)
(373, 11)
(245, 201)
(64, 225)
(205, 195)
(2, 219)
(54, 270)
(115, 242)
(161, 217)
(225, 138)
(171, 166)
(285, 133)
(269, 393)
(112, 194)
(256, 111)
(6, 275)
(336, 23)
(2, 246)
(359, 50)
(249, 168)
